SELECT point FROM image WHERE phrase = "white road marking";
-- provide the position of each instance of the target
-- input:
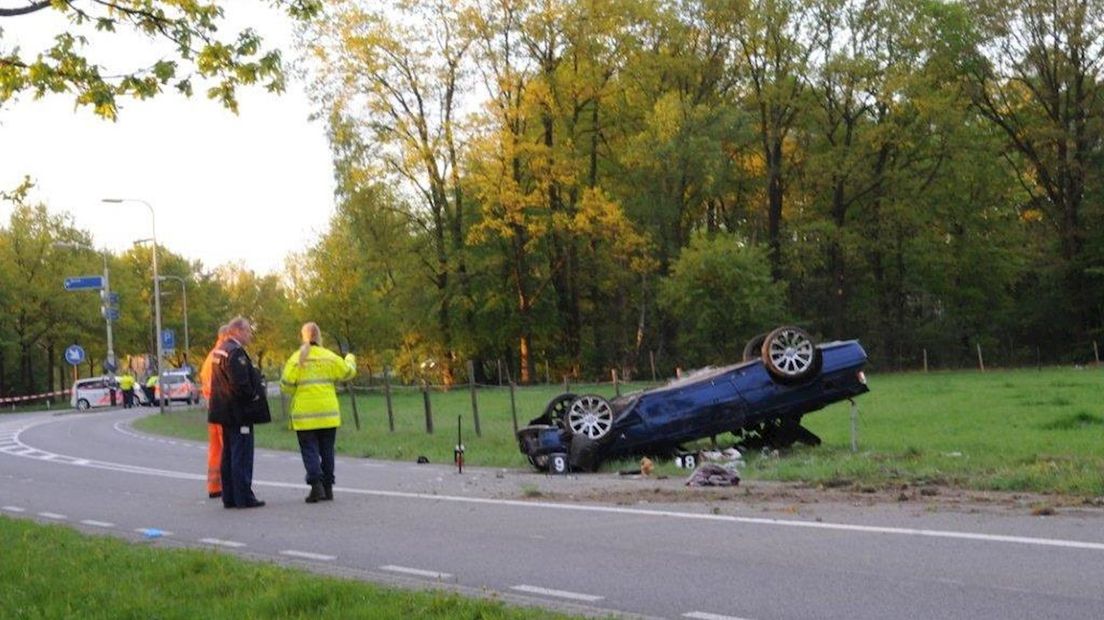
(620, 510)
(221, 543)
(52, 515)
(575, 596)
(307, 555)
(97, 523)
(701, 615)
(416, 571)
(14, 509)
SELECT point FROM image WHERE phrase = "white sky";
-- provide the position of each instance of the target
(249, 188)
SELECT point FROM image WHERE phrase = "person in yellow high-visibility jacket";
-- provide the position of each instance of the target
(126, 384)
(308, 378)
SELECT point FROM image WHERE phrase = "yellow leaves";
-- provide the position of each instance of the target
(1031, 215)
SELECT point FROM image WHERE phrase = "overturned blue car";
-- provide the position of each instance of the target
(761, 400)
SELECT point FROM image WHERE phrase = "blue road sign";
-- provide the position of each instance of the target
(111, 314)
(84, 283)
(113, 299)
(74, 354)
(168, 339)
(110, 365)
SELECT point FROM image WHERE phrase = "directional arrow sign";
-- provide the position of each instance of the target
(84, 283)
(74, 354)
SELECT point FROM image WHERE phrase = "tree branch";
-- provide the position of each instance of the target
(26, 10)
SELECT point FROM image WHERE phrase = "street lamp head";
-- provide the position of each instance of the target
(111, 200)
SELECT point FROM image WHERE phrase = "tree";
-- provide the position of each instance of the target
(188, 29)
(774, 38)
(721, 293)
(1037, 74)
(39, 316)
(392, 79)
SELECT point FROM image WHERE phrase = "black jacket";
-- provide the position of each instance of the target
(237, 392)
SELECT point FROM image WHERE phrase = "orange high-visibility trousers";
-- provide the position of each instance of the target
(214, 458)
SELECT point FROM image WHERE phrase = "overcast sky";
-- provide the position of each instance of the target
(225, 188)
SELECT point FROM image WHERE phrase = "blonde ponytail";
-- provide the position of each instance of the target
(310, 333)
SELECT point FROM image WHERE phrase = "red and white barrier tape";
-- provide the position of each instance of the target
(29, 397)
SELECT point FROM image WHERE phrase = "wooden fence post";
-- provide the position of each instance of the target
(387, 396)
(498, 363)
(475, 404)
(616, 385)
(428, 407)
(567, 385)
(651, 356)
(1096, 353)
(854, 427)
(925, 360)
(981, 362)
(513, 408)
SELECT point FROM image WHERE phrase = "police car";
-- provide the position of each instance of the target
(178, 385)
(94, 392)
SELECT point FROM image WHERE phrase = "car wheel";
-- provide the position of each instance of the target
(590, 415)
(754, 347)
(83, 405)
(555, 412)
(790, 355)
(583, 454)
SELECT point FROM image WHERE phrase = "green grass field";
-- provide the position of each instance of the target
(1013, 430)
(50, 571)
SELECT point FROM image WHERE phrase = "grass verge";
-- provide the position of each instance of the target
(50, 571)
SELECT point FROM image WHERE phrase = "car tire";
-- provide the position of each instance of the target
(754, 348)
(555, 412)
(83, 405)
(583, 454)
(790, 355)
(590, 415)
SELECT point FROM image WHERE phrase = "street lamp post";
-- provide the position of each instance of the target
(184, 291)
(156, 291)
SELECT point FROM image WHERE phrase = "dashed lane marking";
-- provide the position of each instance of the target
(95, 523)
(416, 572)
(222, 543)
(53, 515)
(702, 615)
(308, 555)
(575, 596)
(14, 509)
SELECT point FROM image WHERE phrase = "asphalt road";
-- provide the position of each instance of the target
(477, 533)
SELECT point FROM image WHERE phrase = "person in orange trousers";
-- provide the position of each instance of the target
(214, 431)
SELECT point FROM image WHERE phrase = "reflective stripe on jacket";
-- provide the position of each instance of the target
(311, 387)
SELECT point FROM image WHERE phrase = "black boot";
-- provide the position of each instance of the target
(316, 493)
(327, 491)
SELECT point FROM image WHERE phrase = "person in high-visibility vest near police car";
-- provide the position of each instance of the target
(308, 378)
(126, 384)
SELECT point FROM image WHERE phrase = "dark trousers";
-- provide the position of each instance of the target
(128, 399)
(237, 465)
(317, 448)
